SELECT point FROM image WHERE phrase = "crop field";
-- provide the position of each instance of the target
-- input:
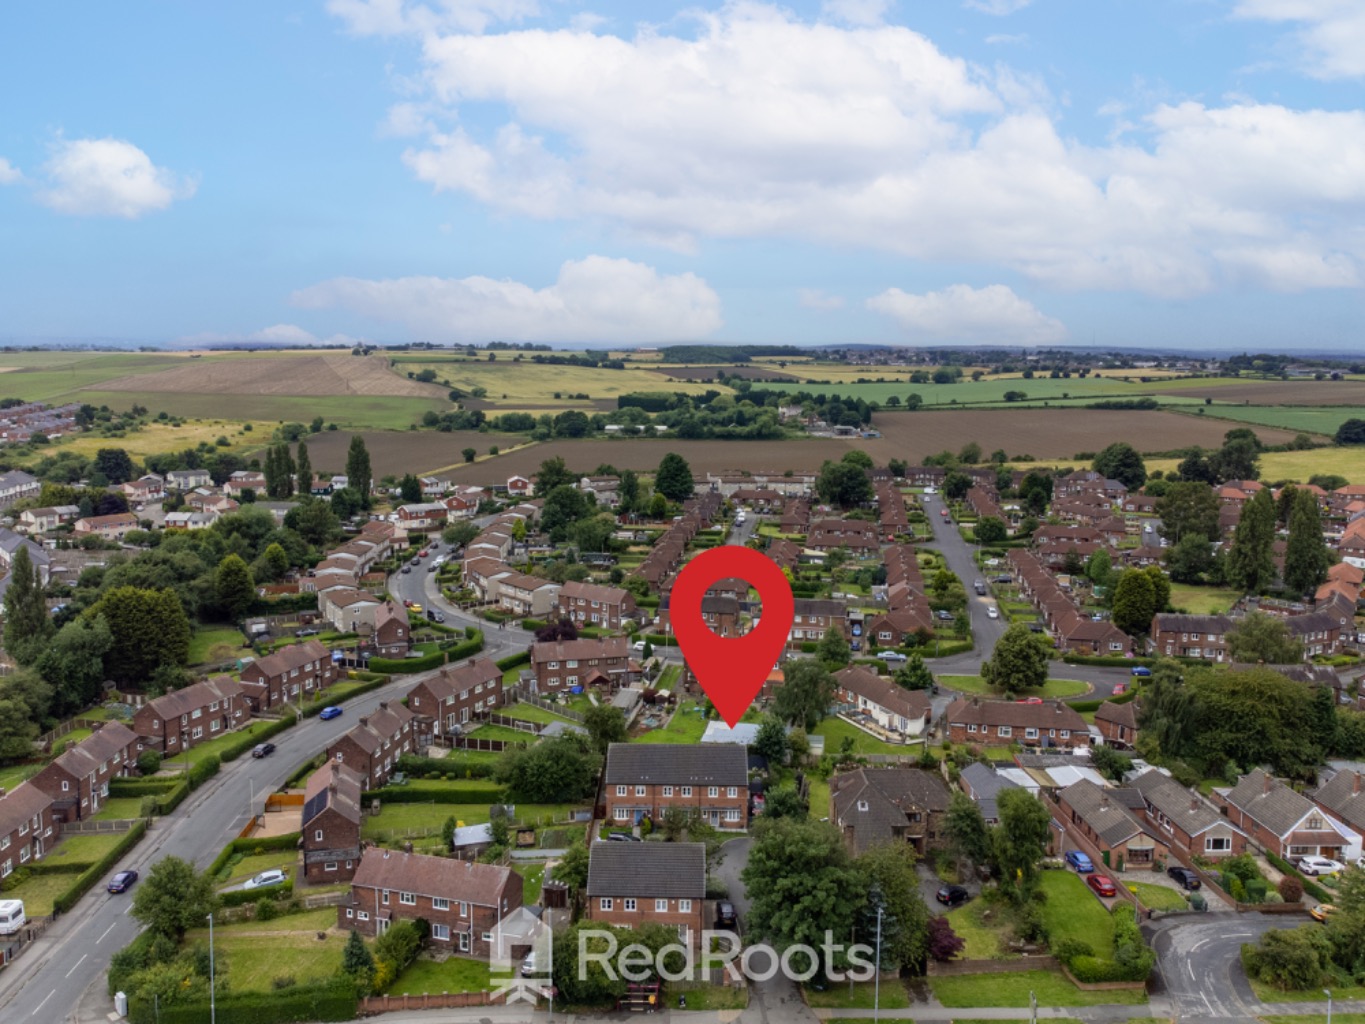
(395, 452)
(966, 392)
(1314, 420)
(359, 411)
(513, 385)
(44, 376)
(331, 374)
(156, 438)
(1270, 392)
(692, 373)
(1347, 462)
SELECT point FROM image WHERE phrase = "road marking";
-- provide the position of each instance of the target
(1208, 1004)
(1201, 942)
(1189, 967)
(75, 965)
(106, 932)
(44, 1002)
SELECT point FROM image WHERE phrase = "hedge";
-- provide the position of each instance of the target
(241, 897)
(244, 743)
(201, 771)
(465, 649)
(514, 660)
(334, 1001)
(65, 901)
(263, 844)
(1309, 886)
(124, 786)
(1104, 662)
(437, 767)
(419, 795)
(173, 799)
(315, 707)
(1082, 706)
(659, 640)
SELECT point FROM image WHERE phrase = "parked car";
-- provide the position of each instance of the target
(415, 607)
(1079, 861)
(1029, 700)
(528, 965)
(1187, 878)
(943, 512)
(725, 916)
(1102, 885)
(1320, 866)
(272, 877)
(123, 881)
(1120, 688)
(952, 895)
(414, 561)
(639, 645)
(980, 587)
(330, 712)
(992, 612)
(622, 837)
(892, 657)
(1322, 912)
(433, 567)
(308, 631)
(423, 553)
(407, 569)
(944, 614)
(435, 616)
(1142, 671)
(263, 750)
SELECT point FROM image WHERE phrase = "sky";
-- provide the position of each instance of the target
(1178, 174)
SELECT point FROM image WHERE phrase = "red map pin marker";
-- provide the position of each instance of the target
(731, 669)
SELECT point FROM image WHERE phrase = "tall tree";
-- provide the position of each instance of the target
(1121, 462)
(800, 883)
(174, 898)
(833, 650)
(410, 488)
(843, 484)
(358, 469)
(674, 478)
(270, 468)
(1134, 602)
(28, 626)
(286, 466)
(1189, 560)
(804, 697)
(1019, 661)
(553, 473)
(914, 674)
(1251, 564)
(1306, 558)
(235, 589)
(73, 662)
(115, 465)
(304, 468)
(1188, 507)
(606, 724)
(965, 827)
(1020, 840)
(771, 741)
(149, 629)
(629, 491)
(1259, 637)
(889, 869)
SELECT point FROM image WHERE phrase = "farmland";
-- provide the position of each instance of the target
(1313, 419)
(397, 452)
(337, 374)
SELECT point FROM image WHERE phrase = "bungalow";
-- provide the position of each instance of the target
(77, 781)
(1284, 822)
(291, 673)
(186, 520)
(892, 707)
(41, 520)
(110, 527)
(986, 722)
(590, 604)
(185, 718)
(372, 748)
(1101, 822)
(983, 784)
(900, 628)
(28, 828)
(634, 884)
(1117, 723)
(647, 779)
(462, 902)
(565, 664)
(1187, 822)
(446, 700)
(870, 806)
(1341, 795)
(331, 825)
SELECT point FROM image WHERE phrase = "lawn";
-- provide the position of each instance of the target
(533, 878)
(669, 677)
(84, 849)
(501, 732)
(247, 867)
(120, 807)
(39, 891)
(857, 996)
(532, 713)
(15, 774)
(819, 797)
(399, 819)
(1013, 988)
(215, 645)
(835, 729)
(1062, 688)
(1317, 1018)
(215, 746)
(1073, 912)
(982, 937)
(686, 726)
(453, 975)
(1268, 994)
(1201, 600)
(701, 996)
(252, 955)
(1157, 897)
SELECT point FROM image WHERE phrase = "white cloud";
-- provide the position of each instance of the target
(750, 123)
(9, 174)
(400, 17)
(277, 334)
(815, 298)
(855, 12)
(999, 8)
(593, 299)
(1331, 41)
(961, 313)
(109, 177)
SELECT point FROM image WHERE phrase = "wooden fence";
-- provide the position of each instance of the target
(48, 738)
(118, 825)
(430, 1001)
(520, 724)
(519, 692)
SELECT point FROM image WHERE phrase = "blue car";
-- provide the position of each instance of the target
(1078, 860)
(328, 713)
(1142, 671)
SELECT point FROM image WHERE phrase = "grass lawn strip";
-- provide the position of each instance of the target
(214, 747)
(249, 867)
(85, 849)
(39, 891)
(455, 974)
(1013, 988)
(119, 808)
(982, 937)
(686, 726)
(857, 996)
(1316, 1018)
(1072, 912)
(1062, 688)
(1269, 994)
(835, 729)
(215, 645)
(1158, 897)
(255, 954)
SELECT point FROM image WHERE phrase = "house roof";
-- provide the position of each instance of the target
(1269, 801)
(859, 680)
(291, 657)
(1344, 794)
(648, 870)
(453, 679)
(676, 764)
(86, 756)
(873, 802)
(335, 786)
(1119, 714)
(593, 592)
(1102, 812)
(197, 695)
(1047, 715)
(443, 877)
(20, 805)
(986, 784)
(1183, 807)
(1177, 623)
(383, 723)
(579, 650)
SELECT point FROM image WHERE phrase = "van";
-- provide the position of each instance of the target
(11, 916)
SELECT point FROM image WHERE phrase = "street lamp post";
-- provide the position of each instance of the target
(1328, 993)
(213, 1009)
(1033, 1008)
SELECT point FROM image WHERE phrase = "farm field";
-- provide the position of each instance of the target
(333, 374)
(675, 372)
(1347, 462)
(519, 385)
(1268, 392)
(1313, 419)
(965, 392)
(406, 451)
(156, 438)
(373, 412)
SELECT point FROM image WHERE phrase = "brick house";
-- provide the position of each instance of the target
(889, 805)
(462, 901)
(392, 633)
(589, 604)
(1191, 636)
(1188, 823)
(635, 884)
(523, 594)
(77, 781)
(244, 480)
(900, 628)
(564, 664)
(721, 614)
(645, 779)
(1100, 819)
(189, 479)
(892, 707)
(185, 718)
(812, 617)
(111, 527)
(144, 489)
(28, 828)
(1284, 822)
(1344, 796)
(291, 673)
(446, 700)
(372, 748)
(999, 722)
(349, 611)
(331, 825)
(1117, 723)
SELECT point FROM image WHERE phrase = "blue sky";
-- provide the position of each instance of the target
(1168, 173)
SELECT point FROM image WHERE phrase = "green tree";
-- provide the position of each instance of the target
(843, 484)
(914, 674)
(459, 534)
(1289, 959)
(174, 898)
(553, 473)
(1020, 840)
(833, 650)
(28, 626)
(889, 869)
(1134, 602)
(629, 491)
(1190, 560)
(858, 457)
(564, 506)
(771, 741)
(1306, 557)
(572, 868)
(304, 469)
(358, 475)
(965, 828)
(1110, 763)
(673, 478)
(606, 725)
(800, 882)
(1121, 462)
(1259, 637)
(356, 958)
(316, 521)
(234, 587)
(1161, 587)
(73, 662)
(149, 629)
(1351, 431)
(956, 485)
(410, 489)
(1238, 459)
(470, 454)
(276, 560)
(991, 530)
(1019, 661)
(804, 697)
(115, 465)
(1099, 568)
(1251, 565)
(970, 453)
(1189, 507)
(554, 771)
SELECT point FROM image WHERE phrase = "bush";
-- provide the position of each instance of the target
(444, 767)
(1291, 889)
(149, 762)
(124, 786)
(1069, 949)
(514, 660)
(1256, 890)
(266, 910)
(334, 1001)
(201, 771)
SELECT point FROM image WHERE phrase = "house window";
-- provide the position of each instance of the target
(621, 814)
(971, 727)
(1217, 844)
(732, 792)
(385, 898)
(1314, 823)
(639, 790)
(1030, 734)
(437, 903)
(668, 791)
(732, 814)
(1004, 730)
(440, 932)
(317, 835)
(407, 899)
(1302, 851)
(627, 904)
(661, 906)
(464, 909)
(684, 906)
(713, 791)
(620, 790)
(350, 913)
(66, 786)
(604, 903)
(363, 915)
(687, 791)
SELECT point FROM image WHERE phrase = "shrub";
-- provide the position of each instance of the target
(1243, 866)
(266, 910)
(1256, 890)
(1291, 889)
(1069, 949)
(283, 982)
(149, 762)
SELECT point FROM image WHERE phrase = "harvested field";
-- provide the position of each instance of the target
(332, 374)
(395, 452)
(356, 412)
(1270, 392)
(709, 372)
(521, 385)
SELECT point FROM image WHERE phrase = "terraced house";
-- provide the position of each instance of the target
(77, 781)
(1000, 723)
(28, 828)
(634, 884)
(183, 719)
(646, 779)
(292, 673)
(373, 747)
(447, 700)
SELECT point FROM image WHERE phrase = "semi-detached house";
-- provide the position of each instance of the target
(183, 719)
(448, 700)
(77, 781)
(1284, 822)
(1000, 723)
(634, 884)
(292, 673)
(372, 748)
(28, 828)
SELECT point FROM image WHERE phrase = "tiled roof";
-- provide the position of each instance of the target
(444, 877)
(580, 650)
(873, 802)
(593, 592)
(1275, 806)
(319, 793)
(293, 656)
(1102, 812)
(896, 699)
(19, 805)
(648, 870)
(676, 764)
(1048, 715)
(1119, 714)
(198, 695)
(1177, 803)
(1344, 794)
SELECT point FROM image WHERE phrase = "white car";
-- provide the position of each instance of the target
(992, 612)
(1320, 866)
(639, 645)
(272, 877)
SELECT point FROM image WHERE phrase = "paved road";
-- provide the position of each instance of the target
(1199, 965)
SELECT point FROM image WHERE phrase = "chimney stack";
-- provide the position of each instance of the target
(1355, 783)
(1194, 804)
(364, 720)
(1266, 781)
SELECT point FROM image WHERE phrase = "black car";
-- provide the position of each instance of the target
(123, 881)
(263, 750)
(435, 616)
(952, 895)
(622, 837)
(725, 916)
(1184, 876)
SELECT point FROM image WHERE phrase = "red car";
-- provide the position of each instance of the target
(1101, 885)
(1029, 700)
